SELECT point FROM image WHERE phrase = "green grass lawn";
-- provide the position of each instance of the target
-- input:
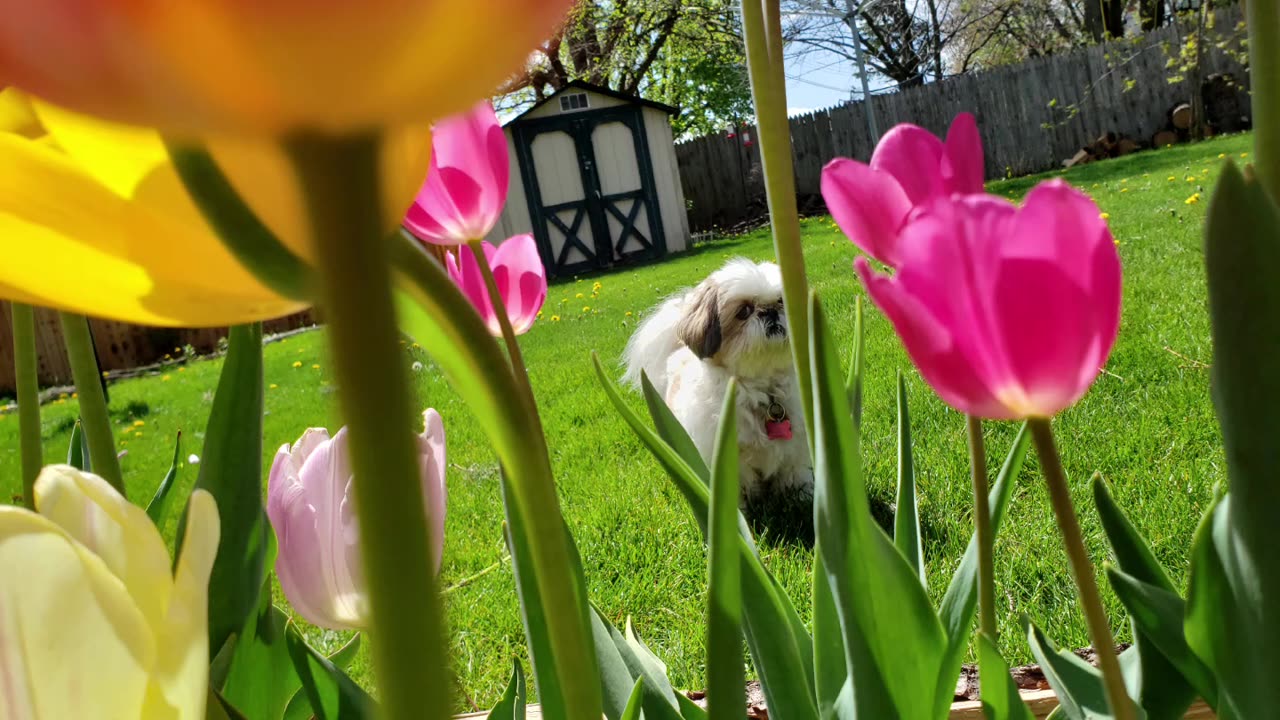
(1147, 425)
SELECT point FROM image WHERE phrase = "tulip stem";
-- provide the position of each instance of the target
(982, 529)
(762, 34)
(23, 320)
(1264, 79)
(94, 419)
(342, 188)
(508, 333)
(1095, 614)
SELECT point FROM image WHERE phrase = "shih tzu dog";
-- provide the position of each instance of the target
(733, 324)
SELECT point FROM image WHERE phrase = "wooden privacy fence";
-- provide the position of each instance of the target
(1022, 110)
(120, 346)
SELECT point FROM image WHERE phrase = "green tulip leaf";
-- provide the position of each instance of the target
(1078, 685)
(232, 473)
(782, 651)
(78, 449)
(906, 520)
(1233, 621)
(853, 385)
(159, 504)
(1000, 698)
(331, 694)
(299, 706)
(960, 603)
(634, 702)
(878, 595)
(512, 704)
(725, 674)
(261, 680)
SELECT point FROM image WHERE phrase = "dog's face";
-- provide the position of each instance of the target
(736, 318)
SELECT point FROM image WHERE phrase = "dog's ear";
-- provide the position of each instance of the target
(699, 329)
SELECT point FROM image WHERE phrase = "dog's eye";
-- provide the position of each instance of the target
(745, 311)
(779, 303)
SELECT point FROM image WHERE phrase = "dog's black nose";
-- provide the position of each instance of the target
(770, 315)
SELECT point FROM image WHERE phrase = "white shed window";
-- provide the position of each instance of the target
(576, 101)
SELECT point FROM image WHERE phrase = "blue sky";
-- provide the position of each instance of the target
(818, 80)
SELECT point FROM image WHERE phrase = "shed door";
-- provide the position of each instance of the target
(591, 193)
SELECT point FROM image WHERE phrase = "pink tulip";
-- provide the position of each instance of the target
(909, 168)
(1008, 312)
(309, 501)
(518, 273)
(466, 185)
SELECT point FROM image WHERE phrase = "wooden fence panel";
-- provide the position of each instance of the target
(1032, 116)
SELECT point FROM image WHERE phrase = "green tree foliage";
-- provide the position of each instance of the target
(686, 53)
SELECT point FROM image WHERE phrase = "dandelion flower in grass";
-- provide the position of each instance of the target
(1221, 155)
(555, 318)
(137, 434)
(315, 367)
(1195, 198)
(1105, 216)
(416, 366)
(139, 423)
(1172, 178)
(1244, 154)
(273, 386)
(1191, 178)
(628, 313)
(297, 363)
(165, 378)
(579, 296)
(586, 308)
(1124, 190)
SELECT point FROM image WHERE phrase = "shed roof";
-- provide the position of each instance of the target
(584, 85)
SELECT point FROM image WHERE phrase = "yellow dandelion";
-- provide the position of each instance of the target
(297, 363)
(1221, 155)
(138, 423)
(75, 395)
(1172, 178)
(579, 296)
(301, 350)
(555, 318)
(1124, 190)
(62, 396)
(415, 346)
(104, 373)
(539, 314)
(577, 279)
(315, 367)
(1195, 198)
(586, 308)
(1094, 185)
(1117, 242)
(1124, 180)
(165, 378)
(1191, 178)
(182, 369)
(1244, 155)
(1105, 216)
(137, 434)
(273, 386)
(628, 313)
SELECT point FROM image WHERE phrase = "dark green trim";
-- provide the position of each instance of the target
(582, 85)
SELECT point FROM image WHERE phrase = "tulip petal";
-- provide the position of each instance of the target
(933, 349)
(309, 504)
(69, 242)
(963, 170)
(17, 116)
(1048, 334)
(521, 279)
(179, 689)
(72, 642)
(432, 448)
(913, 156)
(868, 204)
(111, 527)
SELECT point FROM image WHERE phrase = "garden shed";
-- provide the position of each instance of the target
(594, 178)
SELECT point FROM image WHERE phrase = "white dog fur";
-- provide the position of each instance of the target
(731, 325)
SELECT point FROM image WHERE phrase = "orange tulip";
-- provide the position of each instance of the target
(273, 66)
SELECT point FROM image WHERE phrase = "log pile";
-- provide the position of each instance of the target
(1108, 145)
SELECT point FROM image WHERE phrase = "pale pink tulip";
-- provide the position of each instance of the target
(310, 503)
(466, 185)
(909, 168)
(1008, 312)
(518, 273)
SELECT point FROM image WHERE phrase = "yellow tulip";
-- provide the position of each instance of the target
(92, 621)
(204, 66)
(94, 218)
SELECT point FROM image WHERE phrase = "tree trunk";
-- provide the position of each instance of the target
(1104, 19)
(1151, 14)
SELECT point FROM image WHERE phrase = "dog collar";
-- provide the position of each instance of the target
(777, 425)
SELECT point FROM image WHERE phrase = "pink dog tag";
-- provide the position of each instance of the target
(778, 429)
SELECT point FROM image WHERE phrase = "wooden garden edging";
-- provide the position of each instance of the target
(1041, 702)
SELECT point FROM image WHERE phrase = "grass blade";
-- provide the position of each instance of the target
(854, 383)
(725, 675)
(906, 521)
